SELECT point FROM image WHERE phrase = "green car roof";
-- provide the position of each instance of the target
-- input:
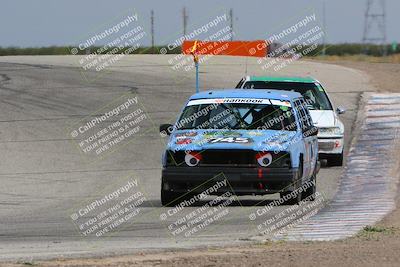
(283, 79)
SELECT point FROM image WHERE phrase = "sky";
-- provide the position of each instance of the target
(33, 23)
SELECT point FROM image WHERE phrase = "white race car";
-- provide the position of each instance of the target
(325, 117)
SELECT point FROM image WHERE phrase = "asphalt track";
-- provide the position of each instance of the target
(43, 178)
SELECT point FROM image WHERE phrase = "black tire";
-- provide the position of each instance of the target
(297, 198)
(168, 198)
(336, 160)
(310, 191)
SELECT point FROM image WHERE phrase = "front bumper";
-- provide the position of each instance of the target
(240, 181)
(330, 145)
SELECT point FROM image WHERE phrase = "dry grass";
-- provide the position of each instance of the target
(360, 58)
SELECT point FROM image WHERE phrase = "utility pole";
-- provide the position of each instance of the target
(324, 28)
(185, 19)
(375, 16)
(231, 22)
(152, 27)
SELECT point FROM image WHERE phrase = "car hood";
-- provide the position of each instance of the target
(257, 140)
(323, 118)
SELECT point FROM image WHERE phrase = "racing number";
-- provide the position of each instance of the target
(229, 140)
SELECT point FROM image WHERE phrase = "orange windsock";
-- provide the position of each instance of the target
(225, 48)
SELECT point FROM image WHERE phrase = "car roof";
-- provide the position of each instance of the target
(247, 93)
(283, 79)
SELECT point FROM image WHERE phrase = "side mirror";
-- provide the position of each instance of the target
(312, 131)
(340, 110)
(166, 129)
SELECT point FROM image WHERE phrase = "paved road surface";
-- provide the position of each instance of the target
(45, 177)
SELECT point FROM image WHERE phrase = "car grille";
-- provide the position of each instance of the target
(228, 157)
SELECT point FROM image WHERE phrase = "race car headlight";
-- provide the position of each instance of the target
(264, 159)
(192, 159)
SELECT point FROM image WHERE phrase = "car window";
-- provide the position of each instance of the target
(304, 115)
(217, 115)
(309, 122)
(300, 113)
(313, 93)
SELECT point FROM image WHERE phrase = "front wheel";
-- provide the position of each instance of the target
(336, 160)
(309, 194)
(167, 198)
(170, 199)
(293, 197)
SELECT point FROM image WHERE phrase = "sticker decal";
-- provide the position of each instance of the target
(184, 141)
(185, 135)
(229, 101)
(280, 103)
(255, 133)
(237, 140)
(222, 134)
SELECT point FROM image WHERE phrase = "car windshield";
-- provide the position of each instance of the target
(313, 93)
(265, 116)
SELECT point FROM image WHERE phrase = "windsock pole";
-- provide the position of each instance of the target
(196, 64)
(197, 76)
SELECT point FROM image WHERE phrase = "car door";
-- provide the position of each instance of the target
(310, 140)
(300, 115)
(306, 125)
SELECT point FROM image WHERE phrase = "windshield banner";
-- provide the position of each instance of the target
(239, 101)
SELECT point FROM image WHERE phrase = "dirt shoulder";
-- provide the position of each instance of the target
(369, 248)
(378, 245)
(384, 76)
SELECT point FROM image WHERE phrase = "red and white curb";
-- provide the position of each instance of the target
(368, 185)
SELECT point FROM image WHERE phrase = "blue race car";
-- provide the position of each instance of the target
(257, 141)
